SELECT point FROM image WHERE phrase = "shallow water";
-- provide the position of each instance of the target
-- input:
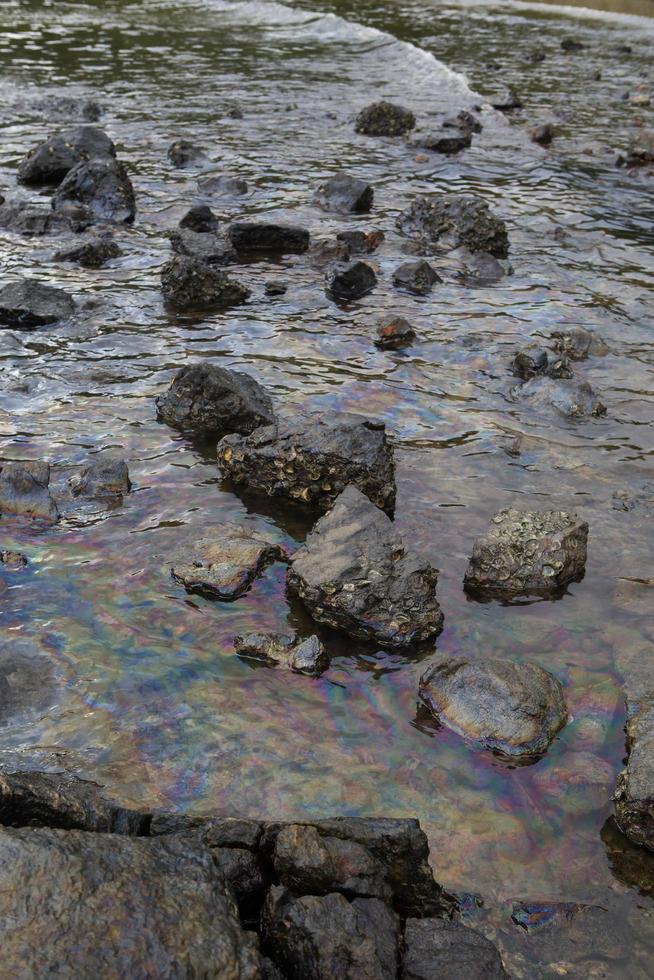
(156, 705)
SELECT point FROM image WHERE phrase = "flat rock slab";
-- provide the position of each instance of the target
(188, 283)
(24, 490)
(514, 709)
(225, 566)
(131, 907)
(306, 656)
(50, 161)
(634, 794)
(437, 948)
(572, 398)
(252, 237)
(208, 400)
(528, 553)
(29, 304)
(384, 119)
(101, 185)
(354, 574)
(312, 458)
(451, 221)
(344, 195)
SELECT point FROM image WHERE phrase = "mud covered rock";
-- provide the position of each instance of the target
(103, 478)
(416, 277)
(572, 398)
(51, 160)
(344, 195)
(203, 246)
(437, 948)
(354, 574)
(253, 237)
(200, 218)
(183, 153)
(321, 938)
(101, 185)
(91, 254)
(222, 186)
(225, 565)
(577, 343)
(24, 490)
(528, 553)
(384, 119)
(634, 794)
(188, 283)
(514, 709)
(28, 304)
(131, 907)
(312, 458)
(209, 400)
(394, 333)
(451, 220)
(306, 656)
(351, 282)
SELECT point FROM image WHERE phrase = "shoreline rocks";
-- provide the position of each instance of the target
(52, 160)
(634, 793)
(101, 185)
(225, 565)
(189, 283)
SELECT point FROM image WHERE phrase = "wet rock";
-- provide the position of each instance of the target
(225, 565)
(328, 252)
(203, 246)
(507, 101)
(351, 282)
(308, 862)
(482, 269)
(28, 685)
(183, 153)
(394, 334)
(14, 561)
(212, 831)
(28, 304)
(640, 152)
(571, 398)
(543, 135)
(577, 343)
(223, 186)
(24, 490)
(321, 938)
(384, 119)
(361, 242)
(416, 277)
(24, 219)
(132, 907)
(532, 916)
(91, 254)
(451, 221)
(102, 186)
(515, 709)
(190, 284)
(200, 218)
(67, 107)
(463, 120)
(571, 45)
(278, 649)
(51, 160)
(275, 287)
(455, 135)
(438, 948)
(528, 553)
(534, 361)
(244, 875)
(344, 195)
(354, 574)
(253, 237)
(209, 400)
(103, 478)
(634, 794)
(312, 458)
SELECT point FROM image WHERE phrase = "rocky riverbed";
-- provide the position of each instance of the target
(326, 489)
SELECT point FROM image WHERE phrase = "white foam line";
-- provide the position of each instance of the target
(565, 10)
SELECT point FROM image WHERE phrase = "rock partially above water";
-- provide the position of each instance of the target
(361, 242)
(515, 709)
(354, 574)
(416, 277)
(212, 401)
(306, 656)
(222, 186)
(634, 794)
(528, 553)
(577, 343)
(535, 361)
(252, 237)
(451, 221)
(384, 119)
(24, 490)
(91, 254)
(225, 565)
(188, 283)
(23, 218)
(203, 246)
(344, 195)
(543, 135)
(394, 333)
(102, 186)
(436, 949)
(103, 478)
(183, 153)
(200, 218)
(312, 458)
(28, 304)
(351, 282)
(51, 160)
(572, 398)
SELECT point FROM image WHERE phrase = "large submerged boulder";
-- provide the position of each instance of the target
(50, 161)
(344, 195)
(225, 565)
(306, 656)
(437, 949)
(354, 574)
(101, 185)
(24, 490)
(312, 458)
(572, 398)
(253, 237)
(514, 709)
(451, 220)
(634, 795)
(28, 304)
(384, 119)
(208, 400)
(189, 283)
(528, 553)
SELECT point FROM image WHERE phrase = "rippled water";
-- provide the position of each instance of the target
(156, 705)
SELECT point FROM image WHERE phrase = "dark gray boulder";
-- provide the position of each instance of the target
(344, 195)
(212, 831)
(101, 185)
(384, 119)
(183, 153)
(200, 218)
(349, 283)
(306, 656)
(212, 401)
(204, 246)
(634, 794)
(28, 304)
(51, 160)
(571, 398)
(354, 574)
(188, 283)
(312, 458)
(438, 949)
(452, 220)
(91, 254)
(24, 490)
(30, 221)
(225, 565)
(394, 334)
(528, 553)
(514, 709)
(416, 277)
(222, 186)
(106, 477)
(253, 237)
(132, 907)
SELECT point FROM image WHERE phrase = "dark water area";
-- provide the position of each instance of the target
(152, 700)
